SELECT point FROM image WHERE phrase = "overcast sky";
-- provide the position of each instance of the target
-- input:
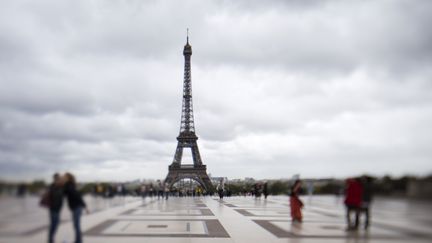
(316, 88)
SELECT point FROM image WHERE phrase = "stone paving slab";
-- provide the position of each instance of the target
(206, 219)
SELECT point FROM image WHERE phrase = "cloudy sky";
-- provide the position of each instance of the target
(316, 88)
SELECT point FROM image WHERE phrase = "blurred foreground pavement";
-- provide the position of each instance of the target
(206, 219)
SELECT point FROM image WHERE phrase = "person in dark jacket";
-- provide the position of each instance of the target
(220, 189)
(265, 190)
(76, 204)
(55, 203)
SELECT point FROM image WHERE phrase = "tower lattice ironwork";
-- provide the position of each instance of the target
(187, 137)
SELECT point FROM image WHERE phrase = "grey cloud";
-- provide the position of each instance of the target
(88, 86)
(339, 36)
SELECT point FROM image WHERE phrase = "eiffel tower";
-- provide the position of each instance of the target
(187, 137)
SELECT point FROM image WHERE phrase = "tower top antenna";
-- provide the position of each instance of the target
(187, 35)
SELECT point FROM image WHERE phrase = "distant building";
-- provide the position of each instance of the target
(216, 180)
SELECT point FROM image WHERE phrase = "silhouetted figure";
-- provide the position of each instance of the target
(367, 199)
(353, 200)
(265, 190)
(257, 190)
(109, 191)
(21, 190)
(100, 190)
(159, 189)
(55, 203)
(166, 190)
(228, 192)
(143, 191)
(245, 191)
(198, 191)
(76, 204)
(120, 190)
(295, 203)
(151, 190)
(220, 188)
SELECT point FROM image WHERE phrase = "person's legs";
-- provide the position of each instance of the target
(295, 206)
(292, 209)
(54, 222)
(348, 216)
(357, 217)
(367, 217)
(298, 213)
(76, 217)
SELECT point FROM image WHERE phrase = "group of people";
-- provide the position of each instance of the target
(159, 189)
(109, 190)
(64, 186)
(358, 197)
(260, 188)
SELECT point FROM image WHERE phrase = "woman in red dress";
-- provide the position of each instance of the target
(295, 203)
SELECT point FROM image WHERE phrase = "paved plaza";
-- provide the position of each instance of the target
(207, 219)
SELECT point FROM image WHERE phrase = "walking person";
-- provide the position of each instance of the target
(166, 190)
(151, 190)
(76, 204)
(353, 200)
(159, 189)
(265, 190)
(257, 190)
(143, 191)
(366, 199)
(295, 203)
(54, 202)
(220, 188)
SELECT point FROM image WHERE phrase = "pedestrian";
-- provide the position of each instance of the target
(166, 189)
(265, 190)
(76, 204)
(159, 189)
(143, 191)
(220, 188)
(366, 199)
(151, 190)
(54, 203)
(119, 190)
(21, 190)
(256, 190)
(295, 203)
(353, 200)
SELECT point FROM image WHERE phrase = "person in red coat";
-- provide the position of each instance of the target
(353, 201)
(295, 203)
